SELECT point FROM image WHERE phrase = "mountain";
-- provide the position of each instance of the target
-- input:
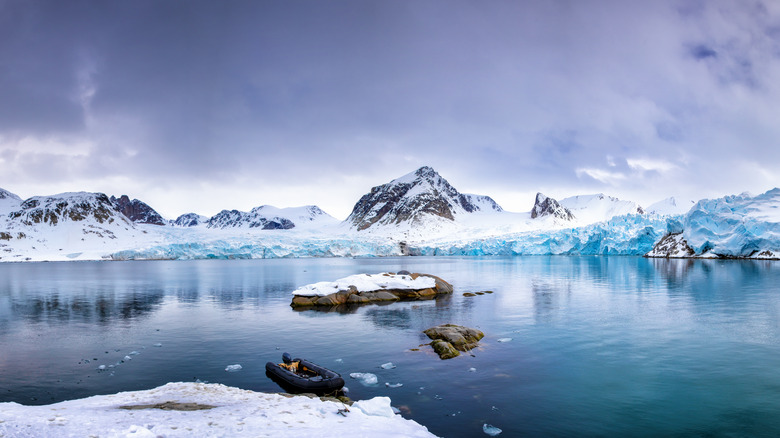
(544, 206)
(589, 209)
(8, 202)
(670, 206)
(267, 217)
(413, 199)
(189, 220)
(137, 211)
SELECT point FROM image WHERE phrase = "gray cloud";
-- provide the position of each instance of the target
(509, 96)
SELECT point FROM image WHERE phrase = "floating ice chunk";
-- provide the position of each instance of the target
(233, 368)
(157, 345)
(393, 385)
(376, 407)
(101, 368)
(128, 358)
(472, 370)
(388, 366)
(134, 353)
(504, 340)
(340, 360)
(490, 429)
(345, 390)
(395, 410)
(365, 378)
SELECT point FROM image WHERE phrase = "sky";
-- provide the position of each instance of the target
(199, 106)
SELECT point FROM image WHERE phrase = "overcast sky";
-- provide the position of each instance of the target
(203, 106)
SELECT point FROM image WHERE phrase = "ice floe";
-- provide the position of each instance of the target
(365, 378)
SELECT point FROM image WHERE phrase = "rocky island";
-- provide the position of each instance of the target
(371, 288)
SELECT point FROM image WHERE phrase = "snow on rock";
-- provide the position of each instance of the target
(544, 206)
(366, 283)
(419, 199)
(228, 411)
(267, 217)
(189, 220)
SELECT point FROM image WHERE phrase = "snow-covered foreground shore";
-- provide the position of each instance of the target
(235, 413)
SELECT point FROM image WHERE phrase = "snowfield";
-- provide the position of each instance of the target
(235, 413)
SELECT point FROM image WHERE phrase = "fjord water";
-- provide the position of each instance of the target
(600, 346)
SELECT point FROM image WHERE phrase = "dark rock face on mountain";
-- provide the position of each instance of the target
(413, 197)
(544, 206)
(72, 207)
(189, 220)
(137, 211)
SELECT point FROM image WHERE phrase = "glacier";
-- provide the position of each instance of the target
(622, 235)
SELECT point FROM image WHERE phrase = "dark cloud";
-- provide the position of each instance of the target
(500, 94)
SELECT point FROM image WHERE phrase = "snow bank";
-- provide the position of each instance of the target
(237, 413)
(366, 283)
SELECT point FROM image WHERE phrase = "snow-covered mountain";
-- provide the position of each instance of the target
(419, 199)
(189, 220)
(670, 206)
(8, 202)
(418, 214)
(137, 211)
(544, 206)
(590, 209)
(65, 223)
(267, 217)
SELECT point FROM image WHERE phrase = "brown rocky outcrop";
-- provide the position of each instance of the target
(450, 339)
(352, 296)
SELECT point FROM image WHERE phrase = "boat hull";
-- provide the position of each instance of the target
(326, 381)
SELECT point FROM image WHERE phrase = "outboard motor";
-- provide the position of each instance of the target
(287, 358)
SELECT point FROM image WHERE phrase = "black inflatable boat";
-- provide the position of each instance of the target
(300, 375)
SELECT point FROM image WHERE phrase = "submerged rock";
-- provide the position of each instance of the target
(449, 339)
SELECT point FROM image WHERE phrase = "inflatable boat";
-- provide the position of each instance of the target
(300, 375)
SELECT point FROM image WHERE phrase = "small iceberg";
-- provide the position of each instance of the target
(157, 345)
(393, 385)
(128, 358)
(365, 378)
(504, 340)
(387, 366)
(233, 368)
(134, 353)
(101, 368)
(490, 429)
(472, 370)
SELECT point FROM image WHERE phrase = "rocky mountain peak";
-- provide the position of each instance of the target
(67, 207)
(137, 211)
(544, 206)
(413, 197)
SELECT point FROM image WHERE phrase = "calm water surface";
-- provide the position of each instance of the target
(600, 346)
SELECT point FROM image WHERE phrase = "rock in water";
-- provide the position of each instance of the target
(448, 339)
